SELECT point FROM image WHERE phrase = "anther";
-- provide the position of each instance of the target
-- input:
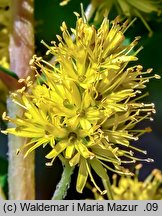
(150, 160)
(4, 116)
(59, 37)
(17, 151)
(149, 70)
(157, 76)
(104, 192)
(21, 80)
(48, 164)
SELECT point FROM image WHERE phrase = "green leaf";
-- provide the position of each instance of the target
(3, 166)
(3, 180)
(3, 175)
(10, 73)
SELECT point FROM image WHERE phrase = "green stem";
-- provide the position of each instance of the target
(63, 185)
(107, 186)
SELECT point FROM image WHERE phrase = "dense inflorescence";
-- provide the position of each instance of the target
(85, 105)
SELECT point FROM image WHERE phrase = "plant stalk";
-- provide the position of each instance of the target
(63, 185)
(21, 49)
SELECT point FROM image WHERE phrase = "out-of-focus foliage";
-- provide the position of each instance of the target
(3, 177)
(3, 97)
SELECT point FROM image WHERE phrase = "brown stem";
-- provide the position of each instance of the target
(21, 171)
(10, 82)
(22, 37)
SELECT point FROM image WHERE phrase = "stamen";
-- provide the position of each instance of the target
(92, 179)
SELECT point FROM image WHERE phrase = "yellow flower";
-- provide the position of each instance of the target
(126, 8)
(133, 8)
(4, 31)
(131, 188)
(85, 105)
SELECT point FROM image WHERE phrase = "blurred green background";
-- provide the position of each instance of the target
(48, 18)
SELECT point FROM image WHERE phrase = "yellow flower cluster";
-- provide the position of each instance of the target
(126, 8)
(130, 188)
(133, 8)
(86, 104)
(133, 189)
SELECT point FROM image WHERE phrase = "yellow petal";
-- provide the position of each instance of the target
(69, 151)
(98, 168)
(36, 145)
(57, 149)
(85, 124)
(75, 160)
(73, 122)
(83, 150)
(82, 176)
(105, 153)
(25, 132)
